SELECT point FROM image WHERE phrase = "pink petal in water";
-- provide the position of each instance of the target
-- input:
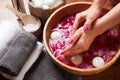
(86, 66)
(107, 58)
(100, 52)
(112, 34)
(61, 58)
(52, 46)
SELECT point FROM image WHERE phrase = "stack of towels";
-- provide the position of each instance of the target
(18, 50)
(20, 60)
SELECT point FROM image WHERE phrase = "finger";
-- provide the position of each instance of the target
(67, 51)
(87, 24)
(73, 51)
(78, 48)
(77, 34)
(78, 19)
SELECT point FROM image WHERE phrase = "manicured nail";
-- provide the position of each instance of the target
(70, 41)
(62, 53)
(85, 28)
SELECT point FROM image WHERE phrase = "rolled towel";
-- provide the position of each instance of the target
(18, 52)
(8, 30)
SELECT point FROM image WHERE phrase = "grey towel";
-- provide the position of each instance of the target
(4, 49)
(45, 69)
(18, 52)
(2, 78)
(2, 52)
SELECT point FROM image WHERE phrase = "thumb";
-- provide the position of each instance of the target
(78, 19)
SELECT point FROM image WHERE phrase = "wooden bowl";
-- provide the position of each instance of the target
(56, 17)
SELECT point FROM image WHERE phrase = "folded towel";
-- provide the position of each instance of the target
(45, 69)
(8, 30)
(33, 57)
(3, 51)
(18, 52)
(2, 78)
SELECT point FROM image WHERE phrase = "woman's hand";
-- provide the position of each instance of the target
(81, 43)
(82, 40)
(88, 16)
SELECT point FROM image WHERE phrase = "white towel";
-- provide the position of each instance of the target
(8, 30)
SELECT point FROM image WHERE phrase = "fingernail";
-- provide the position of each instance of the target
(85, 28)
(70, 41)
(62, 53)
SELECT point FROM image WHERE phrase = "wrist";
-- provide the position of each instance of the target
(99, 27)
(99, 4)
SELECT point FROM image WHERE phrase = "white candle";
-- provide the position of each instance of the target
(77, 60)
(55, 35)
(98, 62)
